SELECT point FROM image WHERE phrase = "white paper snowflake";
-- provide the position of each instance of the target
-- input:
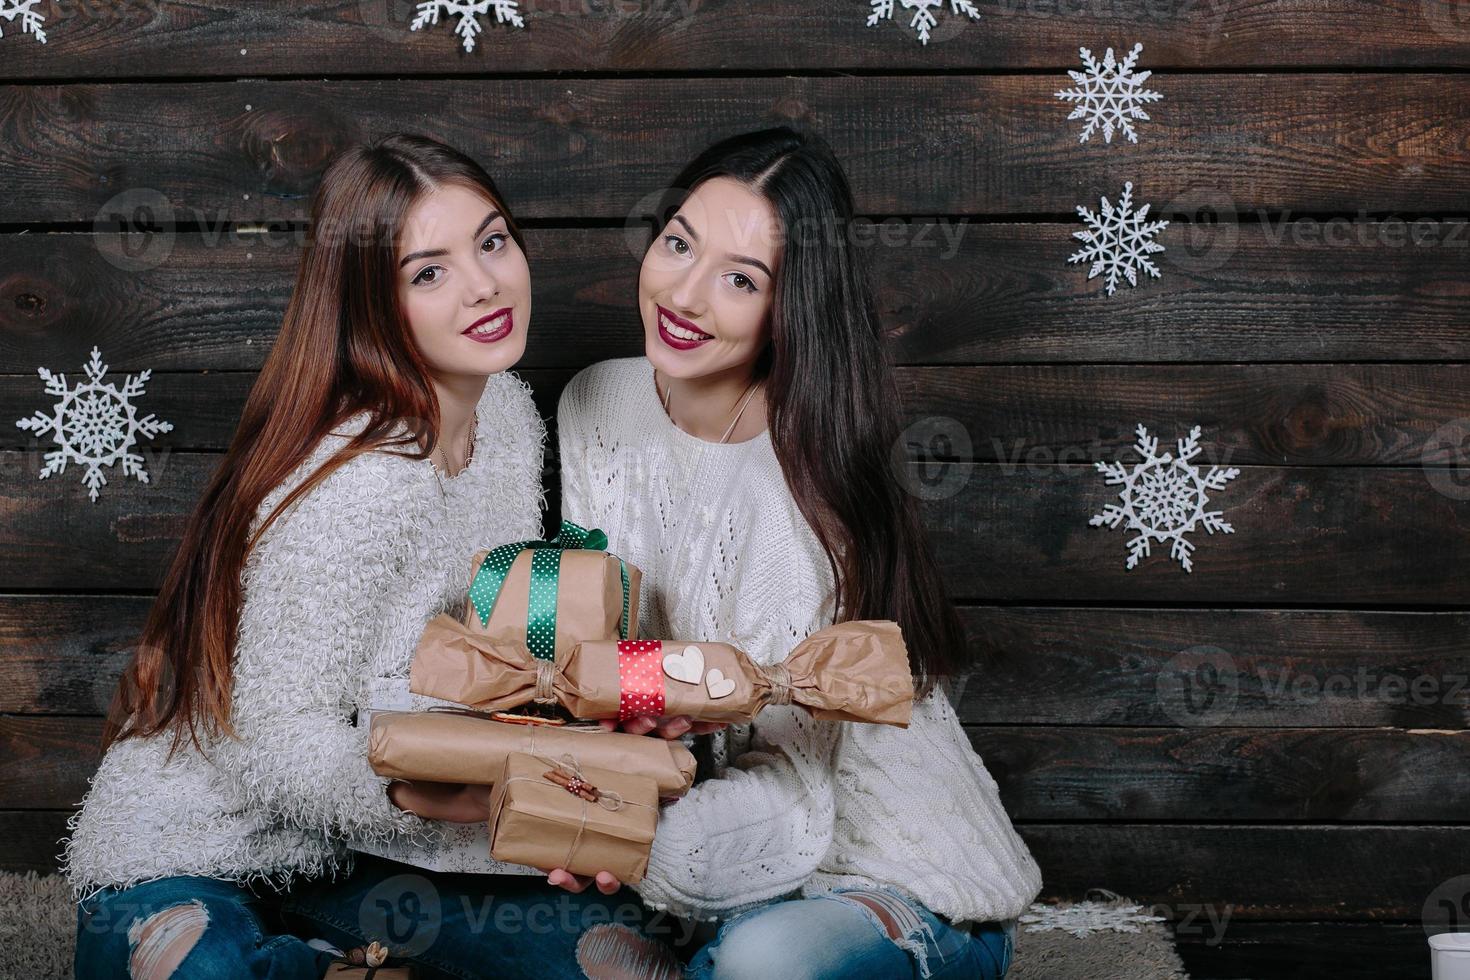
(1085, 918)
(30, 20)
(1109, 94)
(1163, 497)
(923, 19)
(1119, 240)
(95, 424)
(506, 12)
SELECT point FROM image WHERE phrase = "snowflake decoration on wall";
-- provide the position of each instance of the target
(30, 20)
(1119, 240)
(1085, 918)
(1163, 497)
(1109, 94)
(923, 19)
(95, 424)
(506, 12)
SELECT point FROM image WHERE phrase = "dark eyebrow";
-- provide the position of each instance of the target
(746, 259)
(687, 227)
(432, 252)
(749, 261)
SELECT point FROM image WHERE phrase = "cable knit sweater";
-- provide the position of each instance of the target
(802, 805)
(336, 593)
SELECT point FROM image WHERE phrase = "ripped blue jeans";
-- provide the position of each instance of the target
(868, 933)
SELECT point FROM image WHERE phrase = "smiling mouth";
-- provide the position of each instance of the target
(494, 323)
(678, 331)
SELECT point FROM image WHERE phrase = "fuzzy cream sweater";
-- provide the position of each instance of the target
(336, 594)
(798, 805)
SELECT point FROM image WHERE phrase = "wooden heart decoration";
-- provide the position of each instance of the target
(718, 684)
(687, 666)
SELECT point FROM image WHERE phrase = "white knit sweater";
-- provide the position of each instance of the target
(805, 805)
(335, 594)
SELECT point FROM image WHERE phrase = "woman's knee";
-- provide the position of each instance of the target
(156, 937)
(158, 943)
(785, 940)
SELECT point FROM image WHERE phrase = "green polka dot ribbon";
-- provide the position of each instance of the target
(545, 575)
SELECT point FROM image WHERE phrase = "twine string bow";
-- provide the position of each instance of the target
(780, 678)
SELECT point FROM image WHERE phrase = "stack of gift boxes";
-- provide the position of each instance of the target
(547, 647)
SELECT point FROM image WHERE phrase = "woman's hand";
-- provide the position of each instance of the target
(606, 882)
(454, 802)
(670, 727)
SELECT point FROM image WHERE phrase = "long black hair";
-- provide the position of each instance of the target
(832, 401)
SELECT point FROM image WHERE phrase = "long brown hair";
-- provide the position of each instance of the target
(344, 347)
(832, 399)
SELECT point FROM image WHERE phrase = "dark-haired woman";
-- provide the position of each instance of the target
(383, 442)
(744, 466)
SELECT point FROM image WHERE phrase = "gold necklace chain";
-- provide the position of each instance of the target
(748, 394)
(469, 455)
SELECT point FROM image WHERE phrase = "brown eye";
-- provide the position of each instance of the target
(742, 282)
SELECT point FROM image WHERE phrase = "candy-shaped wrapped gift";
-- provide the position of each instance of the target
(855, 671)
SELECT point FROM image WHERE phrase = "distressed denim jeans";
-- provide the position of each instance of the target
(450, 926)
(200, 928)
(872, 933)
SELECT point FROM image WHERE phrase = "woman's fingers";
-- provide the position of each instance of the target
(671, 727)
(640, 725)
(674, 726)
(607, 882)
(454, 802)
(563, 878)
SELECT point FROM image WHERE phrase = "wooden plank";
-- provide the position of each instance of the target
(213, 300)
(1252, 414)
(1292, 950)
(62, 654)
(237, 38)
(1044, 773)
(1021, 417)
(253, 151)
(1226, 774)
(1303, 534)
(204, 408)
(1299, 668)
(45, 762)
(1264, 872)
(1315, 535)
(1284, 291)
(1203, 667)
(30, 840)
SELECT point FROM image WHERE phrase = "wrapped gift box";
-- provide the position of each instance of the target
(559, 813)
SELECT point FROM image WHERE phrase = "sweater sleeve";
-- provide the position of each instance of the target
(313, 586)
(761, 830)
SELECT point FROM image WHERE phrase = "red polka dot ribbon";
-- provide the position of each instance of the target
(641, 677)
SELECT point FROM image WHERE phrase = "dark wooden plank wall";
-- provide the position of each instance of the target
(1295, 812)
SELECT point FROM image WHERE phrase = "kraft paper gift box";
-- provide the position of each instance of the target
(450, 847)
(463, 747)
(857, 671)
(553, 594)
(558, 813)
